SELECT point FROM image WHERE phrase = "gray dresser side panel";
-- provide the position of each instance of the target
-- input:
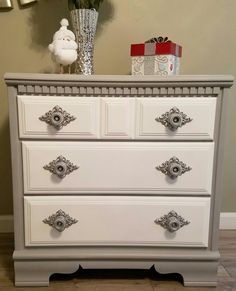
(17, 176)
(218, 171)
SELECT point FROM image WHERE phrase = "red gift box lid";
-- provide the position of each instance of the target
(149, 49)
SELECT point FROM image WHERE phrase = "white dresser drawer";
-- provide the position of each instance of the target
(83, 120)
(117, 118)
(117, 167)
(175, 118)
(116, 221)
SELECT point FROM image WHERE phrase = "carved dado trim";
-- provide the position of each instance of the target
(120, 85)
(118, 91)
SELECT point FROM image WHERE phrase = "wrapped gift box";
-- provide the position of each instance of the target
(153, 58)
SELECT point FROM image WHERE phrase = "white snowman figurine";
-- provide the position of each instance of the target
(64, 47)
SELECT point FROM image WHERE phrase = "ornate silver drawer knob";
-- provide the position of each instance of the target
(57, 117)
(173, 119)
(60, 167)
(60, 220)
(172, 221)
(173, 168)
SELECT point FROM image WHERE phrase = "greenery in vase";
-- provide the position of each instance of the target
(84, 4)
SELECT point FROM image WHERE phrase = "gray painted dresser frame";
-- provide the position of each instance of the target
(34, 265)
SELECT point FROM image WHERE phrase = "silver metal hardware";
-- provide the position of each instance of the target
(6, 4)
(61, 167)
(60, 220)
(173, 119)
(172, 221)
(27, 2)
(173, 168)
(57, 117)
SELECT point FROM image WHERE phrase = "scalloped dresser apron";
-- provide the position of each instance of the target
(116, 172)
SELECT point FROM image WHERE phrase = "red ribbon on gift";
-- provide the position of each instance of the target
(151, 49)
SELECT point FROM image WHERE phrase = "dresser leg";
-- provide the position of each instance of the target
(194, 273)
(37, 273)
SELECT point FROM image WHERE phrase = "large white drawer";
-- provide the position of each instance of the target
(80, 120)
(196, 114)
(116, 221)
(117, 167)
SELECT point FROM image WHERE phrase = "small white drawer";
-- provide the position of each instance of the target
(118, 167)
(175, 118)
(58, 117)
(116, 221)
(117, 118)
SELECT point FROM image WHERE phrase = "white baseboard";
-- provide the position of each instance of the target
(227, 221)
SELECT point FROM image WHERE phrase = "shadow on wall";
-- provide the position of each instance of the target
(46, 16)
(106, 14)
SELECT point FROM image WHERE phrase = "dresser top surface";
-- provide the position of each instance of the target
(128, 80)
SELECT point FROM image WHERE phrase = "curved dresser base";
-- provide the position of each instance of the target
(38, 272)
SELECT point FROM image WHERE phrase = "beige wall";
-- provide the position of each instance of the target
(205, 28)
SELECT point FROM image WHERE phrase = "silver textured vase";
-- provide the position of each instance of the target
(84, 23)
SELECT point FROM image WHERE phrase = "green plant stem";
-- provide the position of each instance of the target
(84, 4)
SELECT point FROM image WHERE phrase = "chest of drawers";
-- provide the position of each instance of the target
(116, 172)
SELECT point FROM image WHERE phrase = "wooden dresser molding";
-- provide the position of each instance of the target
(117, 86)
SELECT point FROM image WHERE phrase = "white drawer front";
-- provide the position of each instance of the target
(84, 109)
(117, 167)
(201, 111)
(117, 118)
(116, 221)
